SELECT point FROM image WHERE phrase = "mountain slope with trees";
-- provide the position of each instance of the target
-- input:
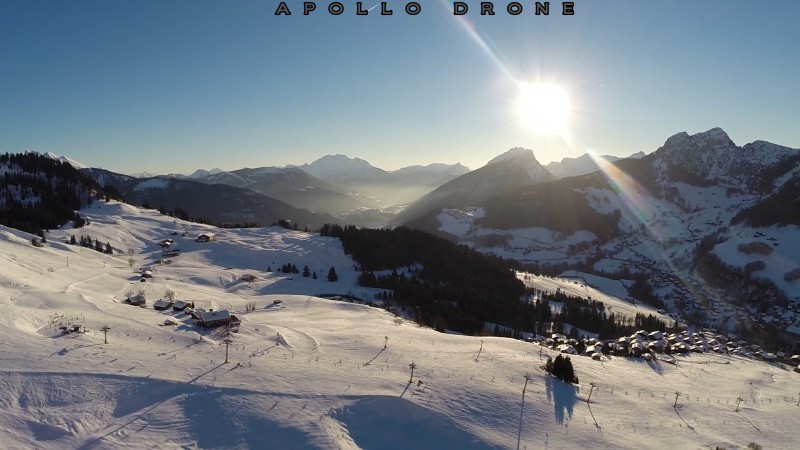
(39, 192)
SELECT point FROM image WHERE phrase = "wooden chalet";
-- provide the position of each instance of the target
(206, 237)
(162, 305)
(180, 305)
(213, 319)
(136, 301)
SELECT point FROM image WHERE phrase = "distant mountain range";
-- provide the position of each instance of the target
(699, 225)
(711, 226)
(219, 203)
(334, 184)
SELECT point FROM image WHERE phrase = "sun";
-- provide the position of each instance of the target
(544, 108)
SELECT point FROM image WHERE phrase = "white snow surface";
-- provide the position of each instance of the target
(314, 373)
(521, 244)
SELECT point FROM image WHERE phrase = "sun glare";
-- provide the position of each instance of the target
(544, 108)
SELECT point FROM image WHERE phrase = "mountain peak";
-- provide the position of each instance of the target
(515, 153)
(341, 167)
(713, 138)
(63, 159)
(340, 160)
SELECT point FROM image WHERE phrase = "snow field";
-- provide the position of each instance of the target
(327, 381)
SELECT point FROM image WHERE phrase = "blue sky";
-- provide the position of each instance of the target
(171, 86)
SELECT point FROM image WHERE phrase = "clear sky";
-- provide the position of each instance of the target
(171, 86)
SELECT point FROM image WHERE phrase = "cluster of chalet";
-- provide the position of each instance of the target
(648, 344)
(201, 317)
(786, 318)
(722, 315)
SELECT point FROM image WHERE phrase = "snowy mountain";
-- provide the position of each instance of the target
(293, 186)
(39, 192)
(712, 226)
(144, 174)
(218, 203)
(337, 185)
(712, 156)
(584, 164)
(509, 171)
(63, 159)
(431, 175)
(377, 187)
(343, 170)
(306, 372)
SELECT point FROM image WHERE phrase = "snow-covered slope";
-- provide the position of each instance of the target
(315, 373)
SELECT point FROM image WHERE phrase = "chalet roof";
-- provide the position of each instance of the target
(212, 316)
(566, 348)
(162, 304)
(656, 335)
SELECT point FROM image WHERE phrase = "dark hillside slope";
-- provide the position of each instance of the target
(37, 192)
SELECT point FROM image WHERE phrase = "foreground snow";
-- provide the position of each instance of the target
(314, 373)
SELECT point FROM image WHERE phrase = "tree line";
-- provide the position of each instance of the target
(450, 286)
(39, 193)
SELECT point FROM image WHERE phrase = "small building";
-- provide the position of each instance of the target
(162, 305)
(206, 237)
(566, 348)
(213, 319)
(137, 301)
(179, 306)
(655, 336)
